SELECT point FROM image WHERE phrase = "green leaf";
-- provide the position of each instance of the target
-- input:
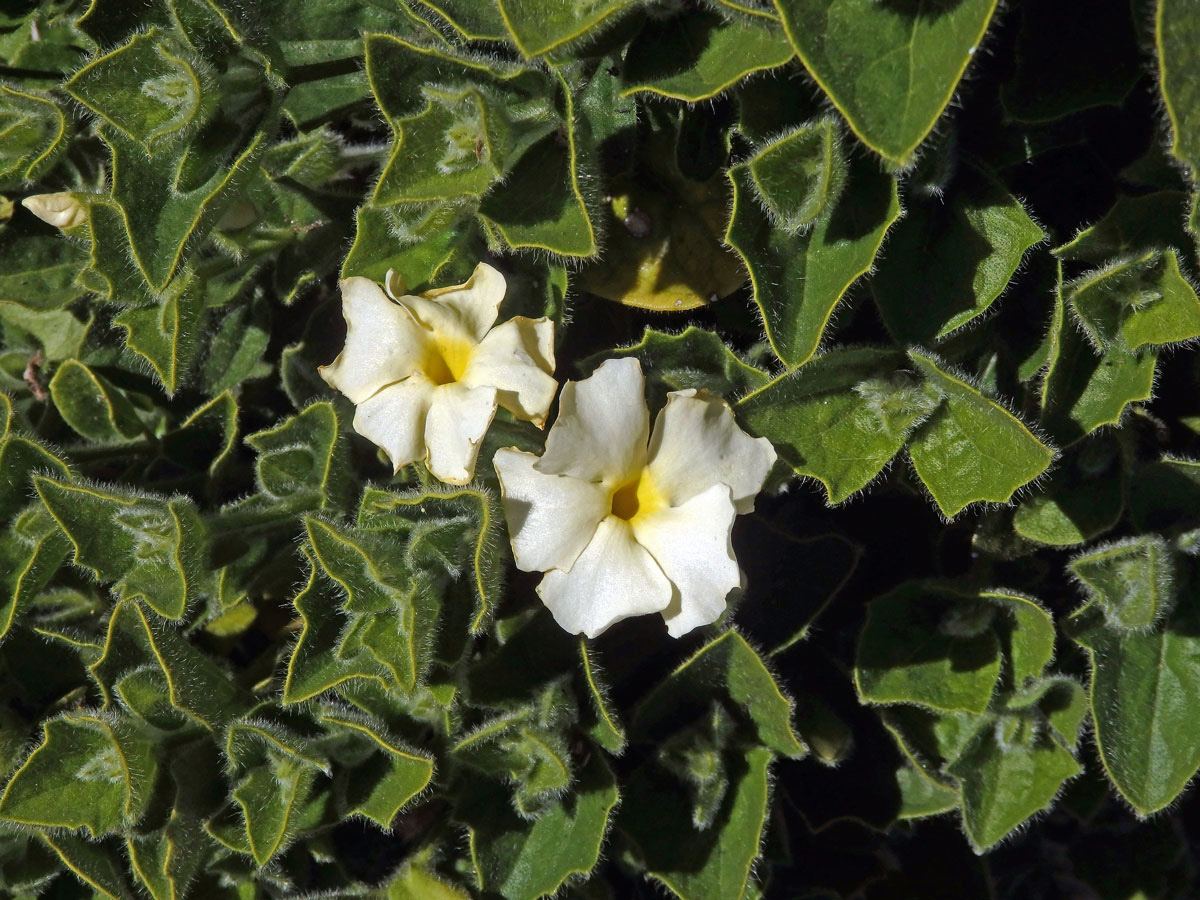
(526, 679)
(889, 68)
(148, 88)
(600, 719)
(169, 860)
(962, 252)
(32, 548)
(710, 864)
(454, 530)
(840, 418)
(929, 645)
(780, 616)
(921, 795)
(694, 358)
(34, 130)
(234, 353)
(471, 21)
(20, 460)
(466, 128)
(972, 449)
(194, 684)
(415, 883)
(800, 175)
(726, 668)
(1083, 500)
(540, 25)
(326, 655)
(798, 280)
(88, 772)
(164, 335)
(1132, 581)
(38, 270)
(388, 614)
(59, 333)
(534, 759)
(1133, 226)
(296, 459)
(277, 773)
(170, 198)
(206, 439)
(329, 32)
(381, 784)
(149, 547)
(1010, 772)
(1144, 686)
(1177, 39)
(460, 144)
(700, 54)
(524, 860)
(540, 206)
(1084, 391)
(377, 250)
(1026, 634)
(1138, 303)
(93, 407)
(97, 865)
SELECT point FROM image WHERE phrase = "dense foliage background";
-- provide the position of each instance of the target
(241, 659)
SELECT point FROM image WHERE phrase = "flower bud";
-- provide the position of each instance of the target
(61, 210)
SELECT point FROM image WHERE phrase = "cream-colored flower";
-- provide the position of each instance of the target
(61, 210)
(625, 522)
(426, 372)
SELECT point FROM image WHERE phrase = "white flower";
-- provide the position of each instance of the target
(626, 523)
(427, 372)
(61, 210)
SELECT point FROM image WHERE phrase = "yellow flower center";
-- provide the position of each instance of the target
(446, 358)
(639, 497)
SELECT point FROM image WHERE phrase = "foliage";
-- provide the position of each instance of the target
(942, 254)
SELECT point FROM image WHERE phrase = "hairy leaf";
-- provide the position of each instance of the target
(526, 860)
(1143, 686)
(701, 54)
(88, 772)
(962, 254)
(1177, 37)
(840, 418)
(798, 280)
(149, 547)
(889, 68)
(971, 448)
(1132, 581)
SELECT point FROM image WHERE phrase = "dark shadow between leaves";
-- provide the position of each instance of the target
(662, 830)
(929, 10)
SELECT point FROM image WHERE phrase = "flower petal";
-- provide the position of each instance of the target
(458, 418)
(550, 518)
(697, 443)
(517, 358)
(465, 310)
(613, 579)
(394, 418)
(602, 426)
(383, 342)
(691, 545)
